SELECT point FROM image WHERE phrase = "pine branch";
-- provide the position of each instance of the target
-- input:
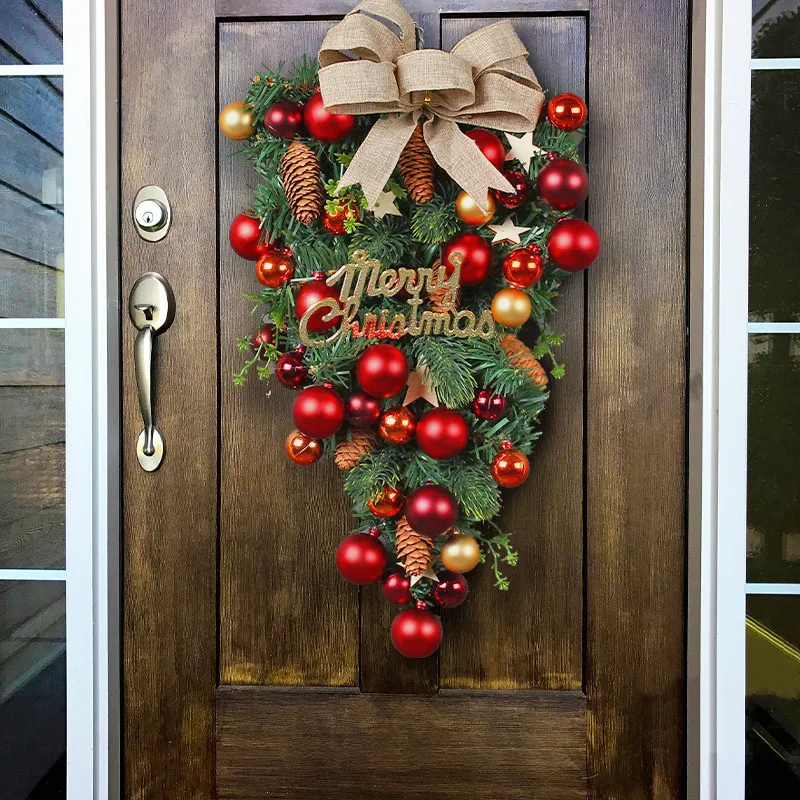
(437, 222)
(382, 467)
(388, 239)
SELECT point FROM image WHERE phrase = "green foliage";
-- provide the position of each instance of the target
(436, 221)
(388, 239)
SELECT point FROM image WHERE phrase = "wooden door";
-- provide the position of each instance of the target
(250, 668)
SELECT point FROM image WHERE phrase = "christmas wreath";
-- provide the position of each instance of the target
(401, 246)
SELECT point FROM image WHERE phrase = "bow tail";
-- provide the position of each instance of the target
(459, 157)
(378, 154)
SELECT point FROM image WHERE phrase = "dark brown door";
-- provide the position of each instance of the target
(250, 668)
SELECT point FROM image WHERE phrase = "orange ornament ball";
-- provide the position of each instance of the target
(236, 121)
(274, 269)
(469, 211)
(397, 425)
(510, 467)
(302, 449)
(567, 112)
(388, 503)
(523, 267)
(335, 223)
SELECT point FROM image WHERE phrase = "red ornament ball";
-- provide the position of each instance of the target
(323, 125)
(382, 370)
(334, 223)
(264, 335)
(284, 119)
(491, 147)
(567, 112)
(318, 411)
(362, 409)
(451, 589)
(431, 510)
(489, 406)
(573, 244)
(510, 467)
(312, 293)
(475, 254)
(396, 587)
(387, 503)
(442, 433)
(291, 370)
(397, 425)
(360, 557)
(522, 267)
(521, 193)
(417, 632)
(245, 238)
(274, 269)
(563, 183)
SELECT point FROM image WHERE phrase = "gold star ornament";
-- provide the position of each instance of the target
(507, 231)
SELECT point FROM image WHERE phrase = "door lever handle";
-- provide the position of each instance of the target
(152, 309)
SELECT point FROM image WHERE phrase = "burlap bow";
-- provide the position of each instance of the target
(365, 68)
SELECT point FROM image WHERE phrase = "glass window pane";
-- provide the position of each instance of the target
(32, 689)
(774, 199)
(773, 488)
(31, 198)
(773, 697)
(776, 29)
(30, 32)
(31, 449)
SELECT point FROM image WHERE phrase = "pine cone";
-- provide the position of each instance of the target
(350, 451)
(522, 358)
(413, 549)
(301, 182)
(417, 167)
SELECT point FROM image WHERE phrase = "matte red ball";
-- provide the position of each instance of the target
(245, 238)
(284, 119)
(323, 125)
(362, 409)
(442, 433)
(318, 411)
(396, 587)
(382, 370)
(431, 510)
(451, 589)
(291, 370)
(520, 194)
(308, 295)
(573, 244)
(360, 558)
(477, 258)
(563, 183)
(491, 147)
(416, 633)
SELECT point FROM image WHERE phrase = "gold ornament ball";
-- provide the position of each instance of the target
(468, 210)
(236, 122)
(460, 553)
(511, 307)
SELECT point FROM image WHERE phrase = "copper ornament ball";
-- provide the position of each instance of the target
(510, 467)
(567, 112)
(302, 449)
(388, 503)
(274, 269)
(397, 425)
(522, 267)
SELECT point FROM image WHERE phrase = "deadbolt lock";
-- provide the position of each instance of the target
(151, 213)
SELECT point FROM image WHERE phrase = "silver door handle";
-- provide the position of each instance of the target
(152, 309)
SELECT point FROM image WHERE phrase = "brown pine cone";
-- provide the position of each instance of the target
(350, 451)
(522, 358)
(301, 182)
(413, 549)
(417, 168)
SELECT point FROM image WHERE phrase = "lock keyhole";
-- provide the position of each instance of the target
(151, 213)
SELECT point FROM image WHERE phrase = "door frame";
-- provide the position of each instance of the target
(715, 713)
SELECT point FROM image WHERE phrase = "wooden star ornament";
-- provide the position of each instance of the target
(418, 387)
(429, 574)
(384, 206)
(507, 231)
(523, 149)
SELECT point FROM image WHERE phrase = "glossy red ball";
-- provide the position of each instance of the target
(451, 589)
(431, 510)
(311, 293)
(382, 370)
(335, 223)
(490, 145)
(396, 587)
(360, 558)
(362, 409)
(489, 406)
(284, 119)
(318, 411)
(573, 244)
(523, 267)
(563, 184)
(416, 633)
(566, 111)
(475, 253)
(245, 238)
(264, 335)
(323, 125)
(442, 433)
(291, 370)
(521, 193)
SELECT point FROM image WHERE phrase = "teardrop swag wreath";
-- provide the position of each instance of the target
(410, 217)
